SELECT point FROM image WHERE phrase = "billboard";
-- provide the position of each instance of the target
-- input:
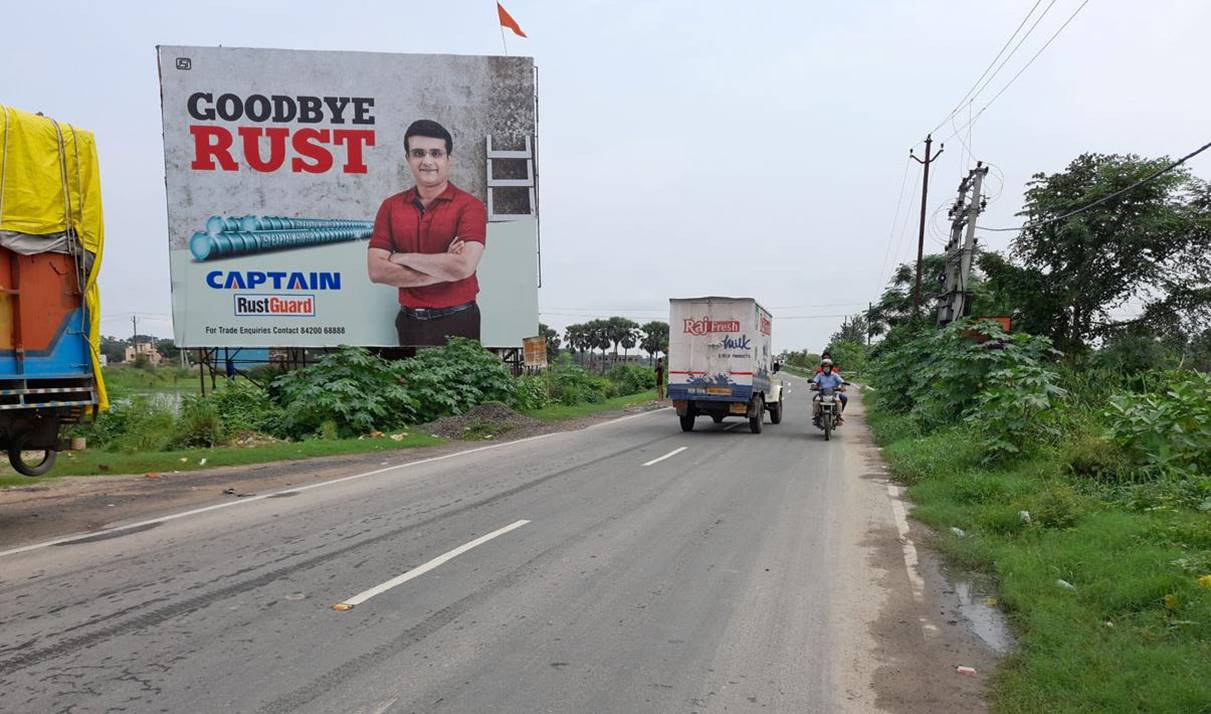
(296, 217)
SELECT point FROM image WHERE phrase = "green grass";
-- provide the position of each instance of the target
(126, 379)
(89, 462)
(799, 371)
(1135, 636)
(560, 412)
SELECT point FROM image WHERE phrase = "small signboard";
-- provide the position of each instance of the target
(535, 352)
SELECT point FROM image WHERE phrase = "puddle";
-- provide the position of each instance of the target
(986, 621)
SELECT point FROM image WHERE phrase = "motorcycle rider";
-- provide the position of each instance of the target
(826, 357)
(826, 378)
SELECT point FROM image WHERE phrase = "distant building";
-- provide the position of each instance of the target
(147, 349)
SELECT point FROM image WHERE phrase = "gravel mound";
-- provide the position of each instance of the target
(486, 421)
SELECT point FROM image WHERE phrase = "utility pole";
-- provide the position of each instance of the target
(956, 302)
(134, 329)
(916, 295)
(870, 306)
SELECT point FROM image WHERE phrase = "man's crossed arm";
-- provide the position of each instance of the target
(413, 270)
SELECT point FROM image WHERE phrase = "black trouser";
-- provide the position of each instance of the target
(413, 331)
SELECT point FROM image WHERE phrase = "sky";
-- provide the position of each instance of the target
(687, 148)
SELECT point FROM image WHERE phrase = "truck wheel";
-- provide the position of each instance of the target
(687, 422)
(755, 423)
(775, 413)
(28, 462)
(717, 418)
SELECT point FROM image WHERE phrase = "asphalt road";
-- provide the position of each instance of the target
(740, 573)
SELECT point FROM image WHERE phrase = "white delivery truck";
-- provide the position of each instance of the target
(721, 361)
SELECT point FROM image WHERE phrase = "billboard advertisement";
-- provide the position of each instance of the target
(319, 198)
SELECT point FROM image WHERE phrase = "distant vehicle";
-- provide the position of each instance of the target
(50, 253)
(720, 361)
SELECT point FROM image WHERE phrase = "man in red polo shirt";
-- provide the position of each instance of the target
(427, 242)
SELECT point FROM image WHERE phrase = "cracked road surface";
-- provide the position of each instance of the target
(741, 573)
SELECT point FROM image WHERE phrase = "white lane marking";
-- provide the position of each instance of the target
(421, 570)
(321, 484)
(910, 550)
(669, 455)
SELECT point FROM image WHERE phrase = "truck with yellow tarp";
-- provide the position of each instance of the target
(51, 236)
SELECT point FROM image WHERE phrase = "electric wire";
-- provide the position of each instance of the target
(975, 84)
(1147, 179)
(891, 234)
(1024, 67)
(904, 233)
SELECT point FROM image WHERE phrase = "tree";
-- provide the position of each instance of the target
(848, 355)
(597, 334)
(619, 330)
(552, 339)
(655, 338)
(1149, 243)
(853, 329)
(802, 359)
(628, 342)
(113, 349)
(168, 348)
(894, 307)
(574, 335)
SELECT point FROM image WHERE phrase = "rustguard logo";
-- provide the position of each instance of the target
(254, 305)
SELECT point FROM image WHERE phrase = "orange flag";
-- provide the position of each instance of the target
(506, 20)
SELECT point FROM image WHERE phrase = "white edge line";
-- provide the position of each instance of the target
(911, 562)
(422, 569)
(669, 455)
(308, 487)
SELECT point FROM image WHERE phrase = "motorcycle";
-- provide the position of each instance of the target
(826, 410)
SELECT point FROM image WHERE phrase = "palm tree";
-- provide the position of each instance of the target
(655, 338)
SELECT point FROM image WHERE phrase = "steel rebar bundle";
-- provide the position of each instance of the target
(229, 236)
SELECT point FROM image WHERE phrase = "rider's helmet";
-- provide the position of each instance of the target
(826, 363)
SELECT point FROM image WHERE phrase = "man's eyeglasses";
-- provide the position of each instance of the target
(433, 153)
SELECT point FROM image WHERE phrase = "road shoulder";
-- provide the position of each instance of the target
(82, 504)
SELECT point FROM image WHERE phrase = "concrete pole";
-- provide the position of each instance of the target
(974, 208)
(916, 295)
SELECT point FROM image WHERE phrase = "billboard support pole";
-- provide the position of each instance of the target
(201, 370)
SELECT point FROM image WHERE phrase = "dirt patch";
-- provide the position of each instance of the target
(920, 644)
(486, 422)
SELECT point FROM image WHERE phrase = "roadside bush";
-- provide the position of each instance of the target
(141, 424)
(531, 391)
(1165, 433)
(1017, 411)
(631, 379)
(1057, 506)
(572, 385)
(353, 389)
(449, 380)
(264, 373)
(199, 424)
(1092, 457)
(243, 407)
(937, 376)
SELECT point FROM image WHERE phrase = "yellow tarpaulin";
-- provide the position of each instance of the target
(50, 183)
